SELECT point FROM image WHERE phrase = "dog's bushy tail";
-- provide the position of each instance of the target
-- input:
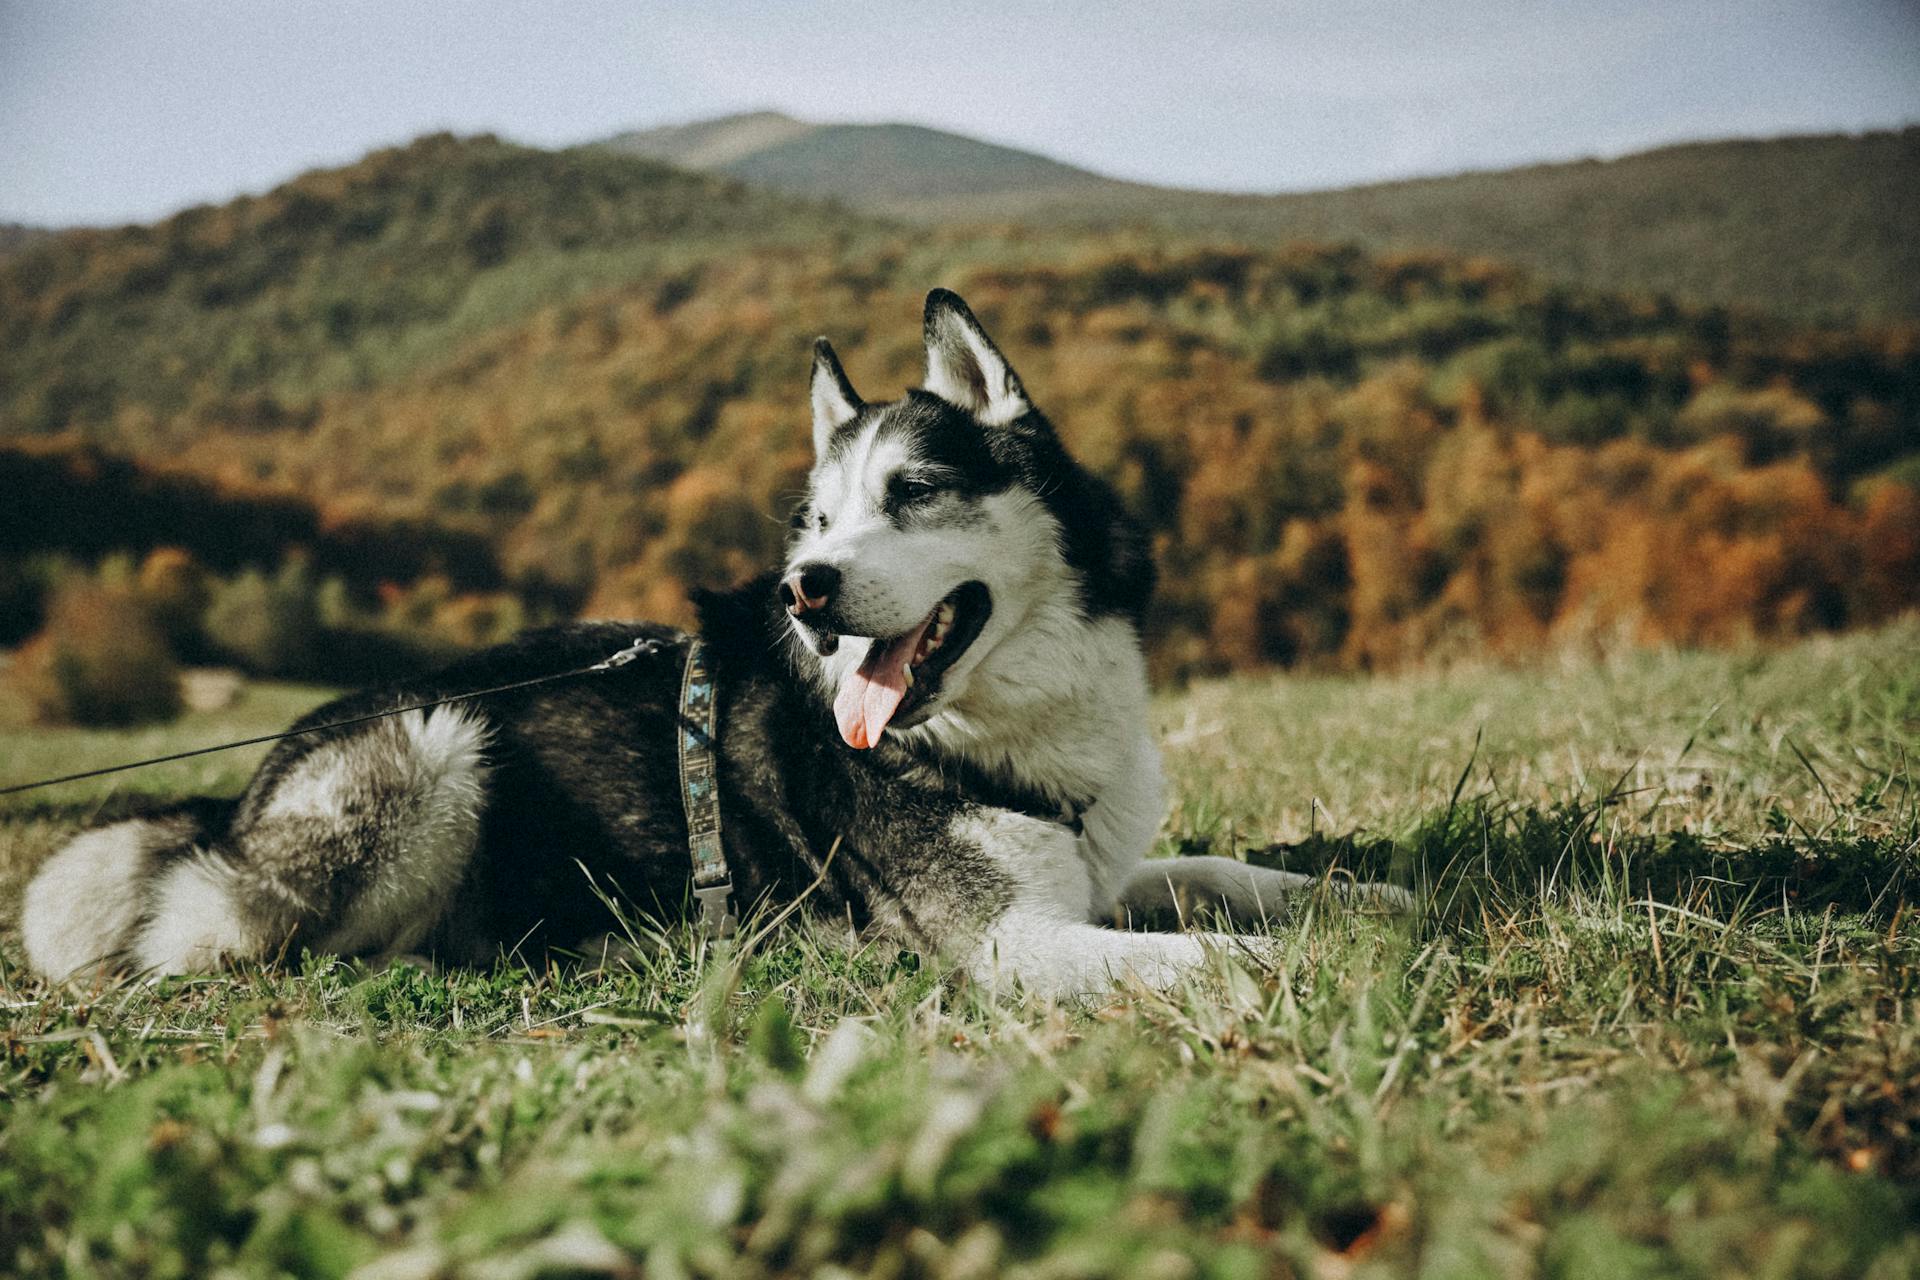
(87, 904)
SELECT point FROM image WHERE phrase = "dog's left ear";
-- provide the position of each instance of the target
(835, 403)
(964, 368)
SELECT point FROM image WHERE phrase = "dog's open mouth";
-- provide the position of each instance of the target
(902, 674)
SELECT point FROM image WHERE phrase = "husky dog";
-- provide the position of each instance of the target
(933, 720)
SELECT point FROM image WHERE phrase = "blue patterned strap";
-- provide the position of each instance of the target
(700, 788)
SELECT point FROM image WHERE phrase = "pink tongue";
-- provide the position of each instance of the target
(869, 696)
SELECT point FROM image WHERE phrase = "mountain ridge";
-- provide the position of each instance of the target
(892, 161)
(1817, 226)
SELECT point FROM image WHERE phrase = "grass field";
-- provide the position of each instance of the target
(1660, 1016)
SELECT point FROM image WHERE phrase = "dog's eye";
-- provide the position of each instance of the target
(802, 517)
(904, 490)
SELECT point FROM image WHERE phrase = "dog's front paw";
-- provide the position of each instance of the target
(1382, 897)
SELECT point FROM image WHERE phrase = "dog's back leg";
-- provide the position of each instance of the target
(354, 845)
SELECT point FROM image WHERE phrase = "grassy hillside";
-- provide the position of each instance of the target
(1823, 227)
(346, 277)
(1346, 459)
(1657, 1018)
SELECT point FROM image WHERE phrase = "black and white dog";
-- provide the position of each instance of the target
(944, 688)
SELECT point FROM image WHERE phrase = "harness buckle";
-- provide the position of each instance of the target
(716, 911)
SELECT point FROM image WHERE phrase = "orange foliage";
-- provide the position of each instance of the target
(1455, 460)
(100, 660)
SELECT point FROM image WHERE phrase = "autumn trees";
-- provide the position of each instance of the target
(408, 374)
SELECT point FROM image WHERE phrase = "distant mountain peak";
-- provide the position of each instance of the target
(765, 116)
(713, 144)
(856, 162)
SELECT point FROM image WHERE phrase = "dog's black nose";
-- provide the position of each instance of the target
(809, 589)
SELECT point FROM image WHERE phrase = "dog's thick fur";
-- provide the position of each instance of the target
(998, 814)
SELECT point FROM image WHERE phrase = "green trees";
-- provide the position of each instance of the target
(268, 625)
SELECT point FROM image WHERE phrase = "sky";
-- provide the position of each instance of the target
(114, 111)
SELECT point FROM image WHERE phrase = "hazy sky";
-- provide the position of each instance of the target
(117, 110)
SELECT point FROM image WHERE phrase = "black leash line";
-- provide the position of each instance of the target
(619, 659)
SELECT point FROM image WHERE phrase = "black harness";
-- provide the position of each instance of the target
(700, 790)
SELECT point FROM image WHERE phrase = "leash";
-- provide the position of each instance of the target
(620, 659)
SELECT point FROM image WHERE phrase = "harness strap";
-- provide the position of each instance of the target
(699, 788)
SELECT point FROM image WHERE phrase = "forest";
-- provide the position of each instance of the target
(576, 381)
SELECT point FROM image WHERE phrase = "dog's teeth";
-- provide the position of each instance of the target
(909, 677)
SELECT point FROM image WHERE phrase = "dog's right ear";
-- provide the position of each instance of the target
(835, 402)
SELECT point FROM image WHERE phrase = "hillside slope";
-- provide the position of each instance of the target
(1820, 226)
(245, 312)
(597, 365)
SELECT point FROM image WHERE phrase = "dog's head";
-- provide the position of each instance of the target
(947, 538)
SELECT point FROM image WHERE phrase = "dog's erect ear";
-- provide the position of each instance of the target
(964, 368)
(835, 402)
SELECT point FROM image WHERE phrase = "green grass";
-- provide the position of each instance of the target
(1659, 1019)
